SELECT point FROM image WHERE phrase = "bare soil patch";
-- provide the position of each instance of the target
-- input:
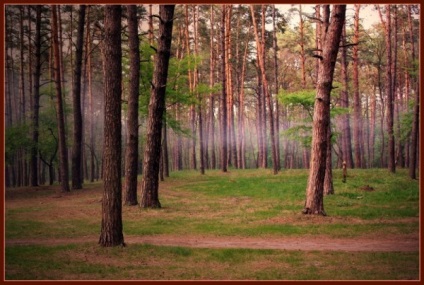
(401, 243)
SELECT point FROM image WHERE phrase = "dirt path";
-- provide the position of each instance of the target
(396, 243)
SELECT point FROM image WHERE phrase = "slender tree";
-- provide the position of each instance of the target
(314, 203)
(150, 180)
(36, 98)
(260, 44)
(389, 91)
(357, 134)
(346, 137)
(77, 174)
(111, 228)
(211, 134)
(131, 151)
(223, 109)
(416, 119)
(63, 152)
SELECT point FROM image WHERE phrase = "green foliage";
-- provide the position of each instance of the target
(406, 122)
(48, 137)
(304, 98)
(300, 133)
(17, 138)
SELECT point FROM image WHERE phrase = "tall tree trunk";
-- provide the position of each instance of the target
(261, 50)
(389, 91)
(88, 85)
(357, 134)
(150, 183)
(22, 65)
(314, 203)
(232, 143)
(415, 124)
(198, 95)
(241, 120)
(223, 109)
(302, 47)
(77, 175)
(276, 83)
(211, 135)
(111, 227)
(63, 151)
(346, 136)
(131, 151)
(191, 89)
(36, 101)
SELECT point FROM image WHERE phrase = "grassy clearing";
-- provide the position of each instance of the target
(146, 262)
(241, 203)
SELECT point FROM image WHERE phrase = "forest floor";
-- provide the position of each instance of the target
(403, 243)
(245, 225)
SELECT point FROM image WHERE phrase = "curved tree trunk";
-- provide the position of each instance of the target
(314, 203)
(150, 181)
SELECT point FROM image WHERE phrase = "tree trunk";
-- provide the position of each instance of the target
(261, 49)
(77, 175)
(328, 181)
(357, 134)
(111, 227)
(150, 183)
(389, 91)
(63, 151)
(314, 203)
(22, 65)
(276, 83)
(211, 135)
(223, 109)
(131, 151)
(36, 101)
(416, 119)
(241, 120)
(302, 47)
(344, 98)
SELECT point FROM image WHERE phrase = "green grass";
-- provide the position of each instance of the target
(146, 262)
(240, 203)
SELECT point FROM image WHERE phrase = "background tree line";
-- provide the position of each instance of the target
(239, 92)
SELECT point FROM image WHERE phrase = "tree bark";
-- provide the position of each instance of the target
(344, 99)
(276, 83)
(131, 151)
(389, 90)
(77, 174)
(314, 203)
(150, 180)
(241, 119)
(111, 227)
(261, 50)
(36, 101)
(415, 124)
(63, 151)
(223, 109)
(211, 135)
(357, 135)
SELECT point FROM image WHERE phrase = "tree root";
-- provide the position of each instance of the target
(308, 211)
